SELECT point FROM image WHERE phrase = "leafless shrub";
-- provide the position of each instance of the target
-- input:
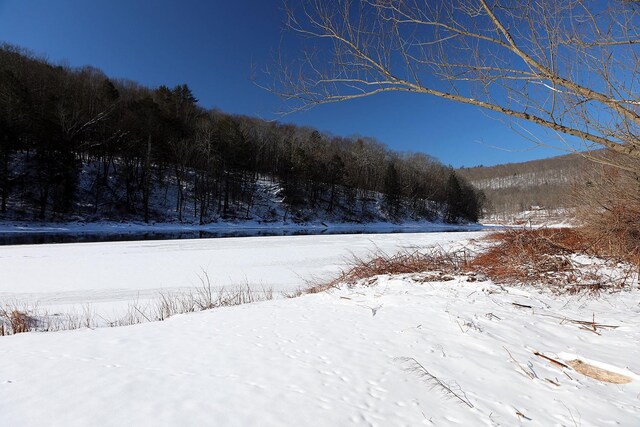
(545, 257)
(15, 319)
(436, 260)
(204, 298)
(609, 209)
(170, 304)
(21, 321)
(523, 254)
(538, 257)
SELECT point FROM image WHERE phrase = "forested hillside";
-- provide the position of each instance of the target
(515, 187)
(76, 144)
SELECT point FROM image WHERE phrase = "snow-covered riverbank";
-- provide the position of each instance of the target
(346, 357)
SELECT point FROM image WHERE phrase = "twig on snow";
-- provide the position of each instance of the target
(531, 375)
(412, 365)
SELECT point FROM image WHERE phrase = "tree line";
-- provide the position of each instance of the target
(515, 187)
(75, 143)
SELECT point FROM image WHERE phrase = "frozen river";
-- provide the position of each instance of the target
(109, 275)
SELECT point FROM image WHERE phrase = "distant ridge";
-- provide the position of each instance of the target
(511, 188)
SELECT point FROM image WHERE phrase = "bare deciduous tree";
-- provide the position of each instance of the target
(567, 65)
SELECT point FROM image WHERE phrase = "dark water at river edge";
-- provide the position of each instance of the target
(34, 238)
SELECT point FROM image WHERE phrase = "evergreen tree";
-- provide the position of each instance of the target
(392, 190)
(454, 200)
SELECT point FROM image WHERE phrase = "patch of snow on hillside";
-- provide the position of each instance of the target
(528, 179)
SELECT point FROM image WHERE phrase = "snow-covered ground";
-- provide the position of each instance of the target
(105, 278)
(345, 357)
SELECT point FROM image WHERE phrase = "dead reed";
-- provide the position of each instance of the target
(548, 258)
(404, 262)
(20, 318)
(545, 258)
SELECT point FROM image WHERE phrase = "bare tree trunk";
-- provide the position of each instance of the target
(44, 197)
(4, 177)
(147, 181)
(226, 195)
(180, 196)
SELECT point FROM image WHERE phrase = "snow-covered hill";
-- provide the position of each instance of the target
(513, 188)
(263, 199)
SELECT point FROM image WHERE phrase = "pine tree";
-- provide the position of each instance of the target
(454, 200)
(392, 190)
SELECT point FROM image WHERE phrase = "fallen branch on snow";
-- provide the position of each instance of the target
(412, 365)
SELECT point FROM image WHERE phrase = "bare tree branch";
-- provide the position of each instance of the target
(566, 65)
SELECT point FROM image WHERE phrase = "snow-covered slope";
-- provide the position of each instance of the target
(336, 359)
(264, 201)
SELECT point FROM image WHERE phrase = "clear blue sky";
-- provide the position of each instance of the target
(212, 44)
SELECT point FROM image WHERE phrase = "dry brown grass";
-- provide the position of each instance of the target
(609, 210)
(206, 297)
(523, 255)
(16, 321)
(544, 257)
(435, 260)
(18, 318)
(537, 257)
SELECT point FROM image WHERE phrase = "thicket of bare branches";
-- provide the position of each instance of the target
(609, 207)
(560, 260)
(567, 65)
(443, 263)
